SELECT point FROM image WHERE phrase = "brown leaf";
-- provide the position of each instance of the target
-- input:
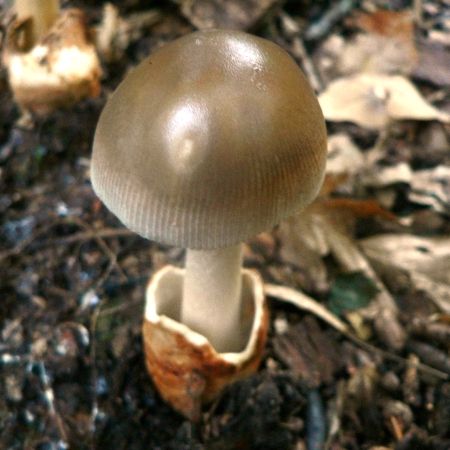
(372, 100)
(427, 255)
(309, 352)
(231, 14)
(397, 24)
(377, 54)
(385, 45)
(359, 208)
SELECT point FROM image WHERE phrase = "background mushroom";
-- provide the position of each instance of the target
(215, 137)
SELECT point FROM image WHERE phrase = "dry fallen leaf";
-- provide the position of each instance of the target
(381, 176)
(432, 187)
(344, 157)
(434, 63)
(427, 255)
(377, 54)
(306, 303)
(384, 22)
(413, 263)
(115, 33)
(385, 45)
(232, 14)
(324, 228)
(372, 100)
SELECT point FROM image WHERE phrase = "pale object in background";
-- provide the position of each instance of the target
(372, 101)
(59, 70)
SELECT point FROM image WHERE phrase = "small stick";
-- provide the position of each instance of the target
(105, 233)
(322, 27)
(418, 9)
(49, 397)
(292, 30)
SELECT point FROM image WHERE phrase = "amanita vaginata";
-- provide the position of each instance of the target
(213, 138)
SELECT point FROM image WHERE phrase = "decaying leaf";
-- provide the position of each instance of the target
(384, 22)
(384, 45)
(115, 33)
(351, 291)
(432, 187)
(232, 14)
(372, 100)
(424, 261)
(323, 229)
(434, 63)
(382, 176)
(427, 255)
(344, 157)
(438, 292)
(304, 245)
(309, 352)
(377, 54)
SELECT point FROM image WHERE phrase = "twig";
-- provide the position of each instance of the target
(292, 31)
(315, 422)
(418, 9)
(300, 52)
(50, 400)
(22, 245)
(109, 253)
(322, 27)
(118, 308)
(393, 357)
(104, 233)
(93, 356)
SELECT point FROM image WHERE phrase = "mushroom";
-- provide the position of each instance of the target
(215, 137)
(49, 56)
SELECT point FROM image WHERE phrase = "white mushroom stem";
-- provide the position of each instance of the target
(212, 296)
(42, 12)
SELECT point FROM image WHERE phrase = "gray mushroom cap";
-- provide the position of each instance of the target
(213, 138)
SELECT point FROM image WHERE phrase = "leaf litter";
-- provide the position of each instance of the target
(374, 376)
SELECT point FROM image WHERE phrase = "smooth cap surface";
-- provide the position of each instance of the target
(213, 138)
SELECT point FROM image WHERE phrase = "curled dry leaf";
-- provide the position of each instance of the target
(372, 100)
(306, 303)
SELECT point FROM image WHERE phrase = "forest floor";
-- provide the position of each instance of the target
(374, 250)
